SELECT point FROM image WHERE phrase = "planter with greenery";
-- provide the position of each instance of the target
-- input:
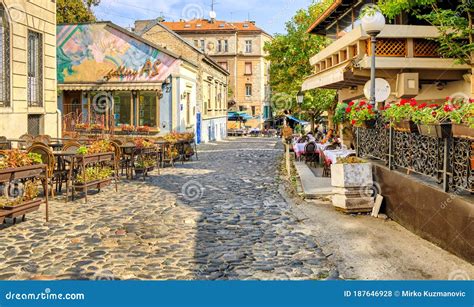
(433, 120)
(400, 115)
(462, 118)
(361, 114)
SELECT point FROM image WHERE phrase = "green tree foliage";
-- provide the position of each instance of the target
(454, 23)
(289, 54)
(74, 11)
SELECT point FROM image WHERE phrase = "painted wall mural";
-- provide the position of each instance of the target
(98, 53)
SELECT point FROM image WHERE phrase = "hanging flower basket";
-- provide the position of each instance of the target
(463, 131)
(440, 131)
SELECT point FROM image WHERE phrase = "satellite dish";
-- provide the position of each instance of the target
(212, 14)
(382, 90)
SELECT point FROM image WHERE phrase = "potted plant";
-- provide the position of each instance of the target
(15, 164)
(127, 129)
(143, 130)
(97, 128)
(400, 115)
(433, 120)
(462, 118)
(361, 114)
(349, 176)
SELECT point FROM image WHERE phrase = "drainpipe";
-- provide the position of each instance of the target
(58, 123)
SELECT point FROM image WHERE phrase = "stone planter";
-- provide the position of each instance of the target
(463, 131)
(440, 131)
(349, 182)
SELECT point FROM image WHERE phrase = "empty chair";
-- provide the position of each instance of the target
(310, 154)
(48, 159)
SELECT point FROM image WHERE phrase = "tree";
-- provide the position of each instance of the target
(75, 11)
(289, 54)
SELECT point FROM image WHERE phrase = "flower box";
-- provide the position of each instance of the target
(22, 209)
(19, 173)
(440, 131)
(406, 126)
(463, 131)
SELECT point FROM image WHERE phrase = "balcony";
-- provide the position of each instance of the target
(343, 62)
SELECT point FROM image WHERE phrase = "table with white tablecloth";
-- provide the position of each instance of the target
(299, 148)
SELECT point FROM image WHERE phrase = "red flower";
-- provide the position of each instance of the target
(403, 102)
(448, 98)
(388, 106)
(351, 103)
(449, 108)
(362, 103)
(471, 100)
(370, 107)
(354, 122)
(422, 106)
(348, 110)
(413, 103)
(433, 106)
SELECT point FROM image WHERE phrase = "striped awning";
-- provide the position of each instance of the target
(125, 86)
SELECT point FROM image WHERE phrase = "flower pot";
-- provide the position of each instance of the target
(406, 126)
(350, 181)
(440, 131)
(369, 124)
(463, 131)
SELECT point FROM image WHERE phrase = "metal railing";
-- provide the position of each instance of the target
(448, 161)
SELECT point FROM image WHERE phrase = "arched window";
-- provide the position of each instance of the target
(4, 59)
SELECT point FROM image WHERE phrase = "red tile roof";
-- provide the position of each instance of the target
(196, 25)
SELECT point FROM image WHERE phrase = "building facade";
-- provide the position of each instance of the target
(28, 68)
(113, 78)
(238, 47)
(212, 79)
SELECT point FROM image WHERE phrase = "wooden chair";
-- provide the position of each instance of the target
(28, 140)
(4, 143)
(120, 162)
(41, 139)
(326, 164)
(48, 159)
(310, 154)
(71, 146)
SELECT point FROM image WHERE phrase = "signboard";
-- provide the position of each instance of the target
(382, 90)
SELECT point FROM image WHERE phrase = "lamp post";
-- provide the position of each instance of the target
(300, 98)
(373, 23)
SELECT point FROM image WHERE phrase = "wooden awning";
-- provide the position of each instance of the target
(335, 78)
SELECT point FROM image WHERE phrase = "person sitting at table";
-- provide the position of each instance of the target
(311, 137)
(329, 138)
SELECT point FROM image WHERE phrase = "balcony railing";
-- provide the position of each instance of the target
(447, 161)
(386, 47)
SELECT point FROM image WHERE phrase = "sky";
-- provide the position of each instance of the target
(270, 15)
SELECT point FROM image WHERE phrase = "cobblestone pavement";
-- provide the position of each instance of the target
(217, 218)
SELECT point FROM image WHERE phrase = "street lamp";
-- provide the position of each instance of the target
(373, 23)
(300, 98)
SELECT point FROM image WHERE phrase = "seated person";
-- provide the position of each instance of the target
(311, 137)
(329, 138)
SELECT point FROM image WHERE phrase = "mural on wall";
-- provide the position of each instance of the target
(98, 53)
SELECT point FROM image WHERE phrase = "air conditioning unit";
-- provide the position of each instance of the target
(408, 85)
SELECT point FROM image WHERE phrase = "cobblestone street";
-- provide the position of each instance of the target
(217, 218)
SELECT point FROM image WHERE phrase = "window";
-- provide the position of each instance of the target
(248, 68)
(209, 95)
(196, 43)
(253, 111)
(35, 69)
(248, 90)
(226, 46)
(122, 108)
(4, 60)
(34, 124)
(248, 46)
(203, 45)
(219, 46)
(216, 96)
(147, 109)
(224, 65)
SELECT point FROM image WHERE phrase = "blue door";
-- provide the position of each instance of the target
(198, 128)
